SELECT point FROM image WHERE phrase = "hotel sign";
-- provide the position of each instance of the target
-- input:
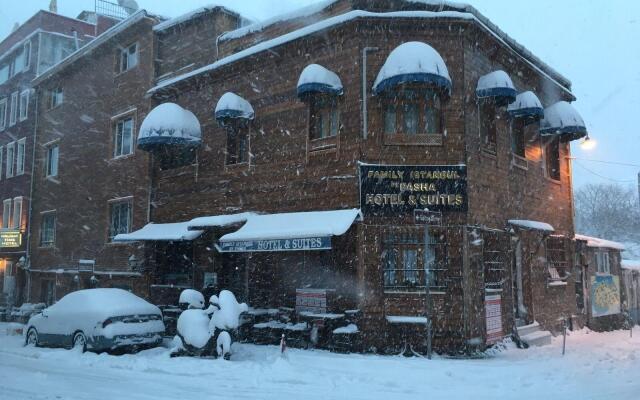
(294, 244)
(395, 189)
(10, 238)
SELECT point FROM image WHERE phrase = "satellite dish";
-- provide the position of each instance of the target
(130, 6)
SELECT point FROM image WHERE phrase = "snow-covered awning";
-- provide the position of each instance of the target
(172, 232)
(413, 62)
(497, 85)
(289, 231)
(233, 106)
(563, 120)
(214, 221)
(601, 243)
(526, 105)
(169, 124)
(534, 225)
(317, 79)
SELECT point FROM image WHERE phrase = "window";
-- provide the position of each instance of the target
(6, 214)
(172, 157)
(557, 259)
(24, 105)
(56, 97)
(602, 262)
(518, 140)
(413, 258)
(129, 57)
(324, 117)
(51, 160)
(11, 154)
(488, 117)
(3, 113)
(17, 213)
(27, 55)
(119, 218)
(237, 143)
(20, 156)
(413, 112)
(4, 73)
(48, 229)
(552, 157)
(123, 137)
(13, 114)
(1, 158)
(18, 63)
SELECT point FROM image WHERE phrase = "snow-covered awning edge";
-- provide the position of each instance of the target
(317, 79)
(496, 84)
(483, 22)
(214, 221)
(230, 105)
(526, 105)
(533, 225)
(599, 243)
(563, 120)
(171, 232)
(633, 265)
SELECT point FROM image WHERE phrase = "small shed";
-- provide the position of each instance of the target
(631, 287)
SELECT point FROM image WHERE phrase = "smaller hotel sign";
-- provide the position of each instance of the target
(295, 244)
(10, 238)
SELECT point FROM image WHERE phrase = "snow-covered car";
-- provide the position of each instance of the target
(97, 320)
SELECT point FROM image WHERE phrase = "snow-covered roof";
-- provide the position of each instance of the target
(168, 123)
(201, 223)
(496, 84)
(526, 105)
(470, 15)
(631, 264)
(562, 119)
(318, 79)
(413, 62)
(173, 232)
(163, 26)
(231, 105)
(295, 225)
(91, 46)
(528, 224)
(601, 243)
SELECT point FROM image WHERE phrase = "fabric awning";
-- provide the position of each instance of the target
(563, 120)
(213, 221)
(528, 224)
(526, 105)
(289, 231)
(317, 79)
(413, 62)
(233, 106)
(497, 85)
(169, 124)
(173, 232)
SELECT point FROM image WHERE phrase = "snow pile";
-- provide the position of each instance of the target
(219, 220)
(562, 118)
(631, 264)
(526, 104)
(178, 231)
(122, 328)
(413, 62)
(405, 319)
(228, 316)
(527, 224)
(316, 78)
(223, 343)
(193, 326)
(169, 123)
(496, 83)
(597, 242)
(349, 329)
(192, 298)
(231, 105)
(295, 225)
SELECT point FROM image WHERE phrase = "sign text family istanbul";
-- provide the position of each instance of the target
(393, 189)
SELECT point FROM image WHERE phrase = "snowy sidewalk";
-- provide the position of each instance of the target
(597, 366)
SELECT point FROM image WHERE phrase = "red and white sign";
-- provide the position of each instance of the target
(311, 300)
(493, 313)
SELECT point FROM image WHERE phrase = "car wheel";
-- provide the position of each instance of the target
(80, 341)
(32, 338)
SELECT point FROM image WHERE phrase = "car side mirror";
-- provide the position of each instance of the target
(45, 313)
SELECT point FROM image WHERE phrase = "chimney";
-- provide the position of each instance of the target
(53, 6)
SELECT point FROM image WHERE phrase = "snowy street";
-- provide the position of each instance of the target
(596, 366)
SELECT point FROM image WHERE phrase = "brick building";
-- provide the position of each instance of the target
(405, 160)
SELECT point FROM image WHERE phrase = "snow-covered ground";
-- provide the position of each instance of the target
(596, 366)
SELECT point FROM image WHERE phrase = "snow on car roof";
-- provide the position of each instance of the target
(104, 303)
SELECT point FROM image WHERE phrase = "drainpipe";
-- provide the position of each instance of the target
(75, 39)
(27, 266)
(365, 122)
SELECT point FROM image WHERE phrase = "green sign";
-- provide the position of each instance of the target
(10, 238)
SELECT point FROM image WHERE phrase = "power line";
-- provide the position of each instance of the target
(606, 162)
(602, 176)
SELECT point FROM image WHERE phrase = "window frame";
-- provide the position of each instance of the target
(13, 112)
(1, 160)
(118, 146)
(23, 113)
(20, 156)
(552, 145)
(10, 160)
(27, 55)
(124, 54)
(488, 124)
(235, 130)
(43, 228)
(3, 113)
(112, 204)
(55, 95)
(6, 213)
(422, 100)
(48, 165)
(324, 112)
(603, 262)
(16, 223)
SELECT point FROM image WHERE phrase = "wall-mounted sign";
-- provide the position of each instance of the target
(10, 238)
(296, 244)
(493, 316)
(424, 217)
(605, 295)
(393, 189)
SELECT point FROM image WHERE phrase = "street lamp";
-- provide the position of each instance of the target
(588, 144)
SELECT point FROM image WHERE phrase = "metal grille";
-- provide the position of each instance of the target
(495, 261)
(557, 262)
(112, 9)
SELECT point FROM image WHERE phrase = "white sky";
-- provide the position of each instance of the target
(593, 43)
